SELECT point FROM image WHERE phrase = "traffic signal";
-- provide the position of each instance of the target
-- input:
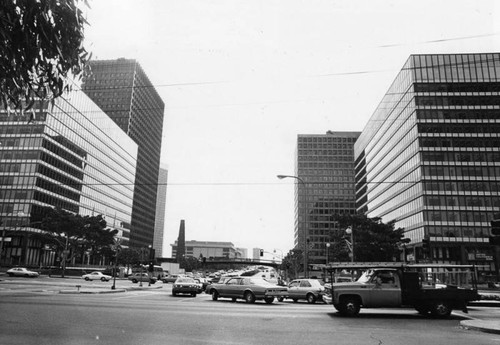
(151, 267)
(426, 246)
(495, 227)
(262, 252)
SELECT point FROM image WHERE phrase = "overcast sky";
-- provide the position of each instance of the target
(241, 79)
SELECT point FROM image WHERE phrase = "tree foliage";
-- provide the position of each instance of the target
(41, 45)
(79, 234)
(373, 239)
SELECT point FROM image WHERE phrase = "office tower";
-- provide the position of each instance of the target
(70, 155)
(428, 158)
(180, 251)
(160, 213)
(325, 186)
(122, 89)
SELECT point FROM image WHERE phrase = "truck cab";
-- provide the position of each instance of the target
(387, 287)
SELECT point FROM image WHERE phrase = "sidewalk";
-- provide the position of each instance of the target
(75, 285)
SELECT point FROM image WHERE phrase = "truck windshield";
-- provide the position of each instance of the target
(366, 276)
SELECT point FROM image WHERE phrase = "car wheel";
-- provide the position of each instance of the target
(26, 275)
(349, 307)
(311, 298)
(215, 295)
(104, 279)
(10, 274)
(233, 299)
(152, 281)
(269, 300)
(134, 281)
(87, 278)
(174, 293)
(249, 297)
(281, 299)
(193, 294)
(440, 309)
(294, 300)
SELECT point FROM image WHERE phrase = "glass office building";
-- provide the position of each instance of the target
(123, 90)
(325, 171)
(429, 158)
(70, 155)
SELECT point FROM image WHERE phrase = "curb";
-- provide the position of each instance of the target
(481, 326)
(69, 292)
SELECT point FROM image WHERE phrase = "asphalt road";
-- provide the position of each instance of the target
(41, 316)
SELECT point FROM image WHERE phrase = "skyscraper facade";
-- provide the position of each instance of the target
(160, 213)
(325, 186)
(122, 89)
(71, 156)
(429, 158)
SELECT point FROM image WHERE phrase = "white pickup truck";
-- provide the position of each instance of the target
(395, 288)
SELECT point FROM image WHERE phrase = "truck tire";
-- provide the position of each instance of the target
(349, 306)
(440, 309)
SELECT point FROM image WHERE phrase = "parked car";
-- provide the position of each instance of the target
(142, 277)
(311, 290)
(185, 285)
(22, 272)
(171, 278)
(248, 288)
(97, 276)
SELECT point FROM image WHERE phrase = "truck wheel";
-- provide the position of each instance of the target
(337, 306)
(269, 300)
(350, 307)
(310, 298)
(215, 295)
(281, 299)
(249, 297)
(440, 309)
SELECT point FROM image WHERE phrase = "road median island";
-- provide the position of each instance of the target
(481, 325)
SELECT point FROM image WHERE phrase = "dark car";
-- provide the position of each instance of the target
(142, 277)
(185, 285)
(311, 290)
(248, 288)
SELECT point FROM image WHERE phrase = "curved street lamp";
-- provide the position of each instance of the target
(306, 222)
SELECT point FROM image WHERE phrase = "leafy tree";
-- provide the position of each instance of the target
(128, 257)
(293, 263)
(373, 240)
(41, 45)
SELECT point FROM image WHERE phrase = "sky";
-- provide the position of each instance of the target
(241, 79)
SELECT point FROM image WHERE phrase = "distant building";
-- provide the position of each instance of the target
(325, 186)
(160, 213)
(122, 89)
(71, 156)
(244, 252)
(180, 250)
(209, 250)
(429, 158)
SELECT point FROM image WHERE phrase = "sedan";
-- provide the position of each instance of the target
(249, 289)
(142, 277)
(96, 276)
(185, 285)
(310, 290)
(22, 272)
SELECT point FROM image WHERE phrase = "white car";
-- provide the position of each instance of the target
(96, 276)
(22, 272)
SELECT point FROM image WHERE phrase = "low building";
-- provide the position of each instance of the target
(209, 250)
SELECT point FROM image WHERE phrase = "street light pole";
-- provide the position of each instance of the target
(306, 222)
(64, 256)
(327, 252)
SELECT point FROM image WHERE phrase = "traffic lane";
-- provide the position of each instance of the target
(160, 319)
